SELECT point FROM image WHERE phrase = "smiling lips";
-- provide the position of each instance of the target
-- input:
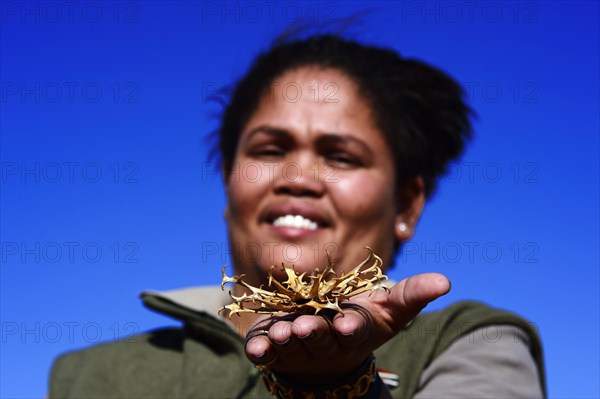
(299, 217)
(295, 221)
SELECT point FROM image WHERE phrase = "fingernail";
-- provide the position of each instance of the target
(351, 333)
(260, 356)
(308, 336)
(287, 341)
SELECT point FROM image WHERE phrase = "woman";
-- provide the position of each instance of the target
(346, 142)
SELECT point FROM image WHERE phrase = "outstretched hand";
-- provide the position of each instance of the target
(325, 347)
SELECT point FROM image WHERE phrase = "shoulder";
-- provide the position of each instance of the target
(443, 327)
(120, 366)
(492, 361)
(431, 334)
(168, 362)
(463, 318)
(159, 341)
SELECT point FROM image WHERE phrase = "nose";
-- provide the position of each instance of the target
(300, 177)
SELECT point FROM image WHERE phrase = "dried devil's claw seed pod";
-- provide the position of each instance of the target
(307, 294)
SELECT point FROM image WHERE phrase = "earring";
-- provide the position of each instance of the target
(402, 227)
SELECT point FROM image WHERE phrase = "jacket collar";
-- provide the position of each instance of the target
(188, 304)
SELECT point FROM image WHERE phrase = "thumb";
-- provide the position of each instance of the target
(407, 298)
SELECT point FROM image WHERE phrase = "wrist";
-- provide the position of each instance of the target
(364, 382)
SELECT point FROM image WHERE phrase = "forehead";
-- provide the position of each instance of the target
(313, 99)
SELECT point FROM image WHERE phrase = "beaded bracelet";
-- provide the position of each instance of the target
(363, 383)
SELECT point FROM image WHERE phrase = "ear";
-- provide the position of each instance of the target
(411, 200)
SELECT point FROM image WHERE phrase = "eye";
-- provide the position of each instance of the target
(267, 151)
(343, 160)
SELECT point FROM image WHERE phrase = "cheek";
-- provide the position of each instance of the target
(247, 185)
(365, 198)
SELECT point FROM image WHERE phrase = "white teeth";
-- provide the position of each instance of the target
(295, 221)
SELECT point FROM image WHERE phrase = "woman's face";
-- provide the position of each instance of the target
(311, 174)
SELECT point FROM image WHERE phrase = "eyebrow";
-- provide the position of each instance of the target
(269, 130)
(334, 138)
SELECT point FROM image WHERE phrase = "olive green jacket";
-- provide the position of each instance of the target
(206, 358)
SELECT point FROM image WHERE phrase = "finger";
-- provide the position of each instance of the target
(407, 298)
(316, 334)
(258, 347)
(283, 340)
(353, 326)
(419, 290)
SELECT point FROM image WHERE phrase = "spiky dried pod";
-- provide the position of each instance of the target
(307, 294)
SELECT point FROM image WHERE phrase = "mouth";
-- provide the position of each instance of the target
(296, 216)
(296, 222)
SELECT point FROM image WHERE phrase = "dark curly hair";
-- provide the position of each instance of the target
(419, 109)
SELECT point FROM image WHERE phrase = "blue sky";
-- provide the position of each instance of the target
(106, 190)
